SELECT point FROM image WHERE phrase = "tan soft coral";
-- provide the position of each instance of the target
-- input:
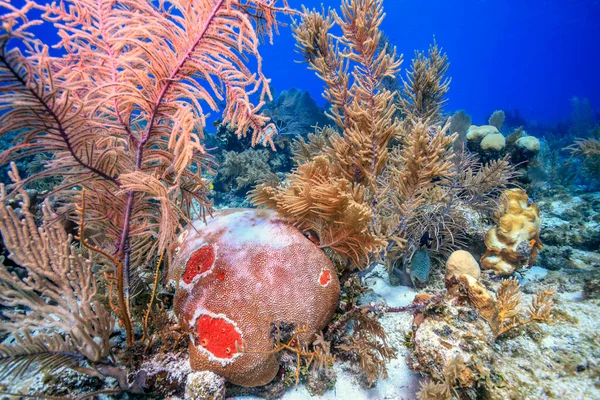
(332, 210)
(515, 241)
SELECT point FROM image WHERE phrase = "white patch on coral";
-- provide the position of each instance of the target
(180, 240)
(241, 227)
(223, 361)
(187, 286)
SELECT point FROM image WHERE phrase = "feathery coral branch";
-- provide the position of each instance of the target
(123, 110)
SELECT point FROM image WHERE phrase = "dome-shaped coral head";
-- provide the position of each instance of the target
(236, 275)
(515, 241)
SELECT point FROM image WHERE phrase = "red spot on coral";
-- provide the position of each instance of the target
(201, 261)
(325, 277)
(217, 336)
(220, 276)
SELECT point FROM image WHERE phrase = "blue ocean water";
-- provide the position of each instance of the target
(530, 56)
(534, 56)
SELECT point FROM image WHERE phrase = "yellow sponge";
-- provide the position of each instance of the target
(515, 241)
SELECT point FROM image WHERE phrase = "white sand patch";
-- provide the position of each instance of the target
(533, 274)
(382, 291)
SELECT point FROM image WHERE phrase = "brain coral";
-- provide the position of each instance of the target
(529, 143)
(461, 262)
(493, 142)
(237, 274)
(515, 241)
(476, 133)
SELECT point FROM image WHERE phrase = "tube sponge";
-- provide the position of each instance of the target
(515, 241)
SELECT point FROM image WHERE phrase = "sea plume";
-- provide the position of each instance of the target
(122, 112)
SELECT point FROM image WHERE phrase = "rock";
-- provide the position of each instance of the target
(295, 112)
(572, 221)
(204, 385)
(556, 257)
(591, 287)
(456, 332)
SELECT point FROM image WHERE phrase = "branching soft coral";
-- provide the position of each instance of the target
(59, 294)
(504, 313)
(508, 300)
(414, 170)
(361, 106)
(332, 194)
(369, 343)
(319, 203)
(426, 86)
(589, 151)
(409, 178)
(123, 110)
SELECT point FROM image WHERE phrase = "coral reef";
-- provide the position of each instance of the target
(243, 271)
(515, 241)
(122, 280)
(490, 144)
(349, 164)
(241, 167)
(370, 187)
(453, 341)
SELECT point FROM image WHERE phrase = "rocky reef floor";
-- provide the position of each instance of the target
(556, 361)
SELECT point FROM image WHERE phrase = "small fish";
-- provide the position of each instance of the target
(420, 266)
(426, 240)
